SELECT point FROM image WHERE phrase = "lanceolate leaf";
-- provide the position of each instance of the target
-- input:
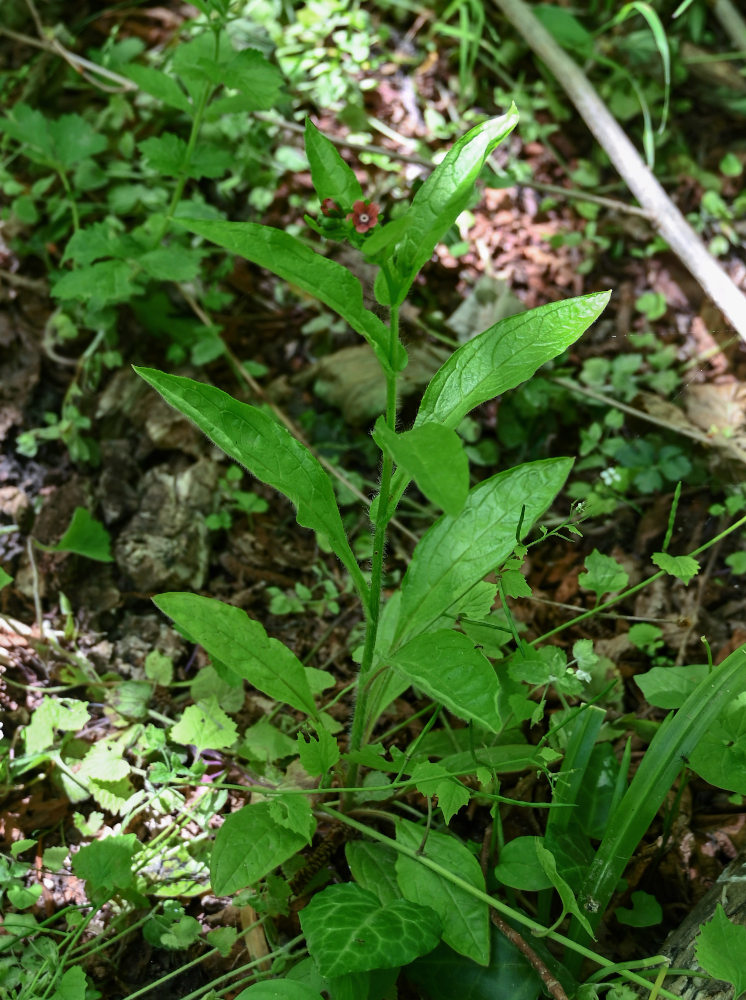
(448, 667)
(249, 845)
(267, 450)
(241, 645)
(458, 552)
(292, 260)
(672, 744)
(348, 930)
(331, 176)
(466, 925)
(505, 355)
(499, 359)
(443, 197)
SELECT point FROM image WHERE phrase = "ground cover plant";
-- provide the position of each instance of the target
(430, 888)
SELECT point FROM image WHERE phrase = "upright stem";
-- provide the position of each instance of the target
(379, 547)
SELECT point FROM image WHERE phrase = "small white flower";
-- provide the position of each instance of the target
(611, 476)
(583, 676)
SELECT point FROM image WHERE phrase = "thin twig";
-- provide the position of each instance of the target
(553, 985)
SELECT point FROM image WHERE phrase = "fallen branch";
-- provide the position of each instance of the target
(664, 215)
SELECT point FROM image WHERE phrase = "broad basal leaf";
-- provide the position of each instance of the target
(331, 176)
(448, 667)
(248, 846)
(286, 256)
(466, 925)
(720, 948)
(255, 440)
(348, 930)
(241, 646)
(372, 867)
(442, 197)
(458, 552)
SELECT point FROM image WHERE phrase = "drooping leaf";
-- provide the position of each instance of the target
(348, 930)
(682, 567)
(434, 457)
(466, 926)
(241, 647)
(443, 196)
(448, 667)
(331, 176)
(287, 257)
(456, 553)
(248, 846)
(267, 450)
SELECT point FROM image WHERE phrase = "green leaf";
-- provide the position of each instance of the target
(205, 726)
(74, 139)
(720, 756)
(434, 779)
(72, 985)
(682, 567)
(317, 755)
(287, 257)
(669, 687)
(720, 947)
(87, 537)
(159, 668)
(456, 553)
(347, 930)
(279, 989)
(448, 667)
(248, 846)
(160, 86)
(267, 450)
(373, 867)
(505, 355)
(466, 925)
(5, 578)
(675, 739)
(258, 80)
(241, 646)
(166, 154)
(441, 199)
(331, 176)
(107, 864)
(434, 457)
(65, 714)
(171, 263)
(519, 866)
(603, 574)
(645, 911)
(294, 813)
(104, 282)
(569, 902)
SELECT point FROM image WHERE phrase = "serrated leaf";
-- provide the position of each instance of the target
(87, 537)
(65, 714)
(720, 947)
(165, 154)
(248, 846)
(331, 176)
(104, 282)
(448, 667)
(466, 926)
(287, 257)
(267, 450)
(205, 726)
(442, 197)
(434, 457)
(171, 263)
(457, 553)
(682, 567)
(241, 646)
(317, 754)
(294, 813)
(347, 930)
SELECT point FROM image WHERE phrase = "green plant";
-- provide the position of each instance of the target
(424, 884)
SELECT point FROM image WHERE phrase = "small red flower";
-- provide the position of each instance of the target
(364, 215)
(329, 206)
